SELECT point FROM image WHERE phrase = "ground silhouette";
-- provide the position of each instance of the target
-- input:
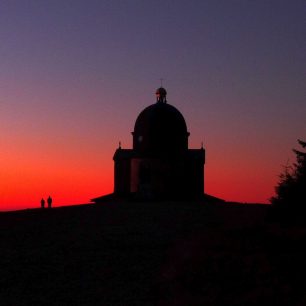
(155, 253)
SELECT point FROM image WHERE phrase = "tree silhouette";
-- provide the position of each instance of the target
(290, 198)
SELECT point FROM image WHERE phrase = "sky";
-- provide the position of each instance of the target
(74, 75)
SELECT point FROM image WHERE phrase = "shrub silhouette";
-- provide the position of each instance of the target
(290, 198)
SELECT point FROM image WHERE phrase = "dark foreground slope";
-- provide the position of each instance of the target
(150, 254)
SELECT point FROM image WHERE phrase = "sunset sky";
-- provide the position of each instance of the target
(75, 74)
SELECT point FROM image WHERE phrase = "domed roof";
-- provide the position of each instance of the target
(160, 128)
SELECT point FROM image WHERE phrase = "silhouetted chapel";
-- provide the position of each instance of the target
(160, 165)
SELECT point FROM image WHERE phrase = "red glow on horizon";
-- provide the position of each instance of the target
(24, 185)
(76, 175)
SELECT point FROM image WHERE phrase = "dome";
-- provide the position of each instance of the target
(160, 129)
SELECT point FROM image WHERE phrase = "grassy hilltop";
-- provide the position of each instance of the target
(163, 253)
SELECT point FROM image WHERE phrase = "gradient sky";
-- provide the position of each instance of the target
(75, 74)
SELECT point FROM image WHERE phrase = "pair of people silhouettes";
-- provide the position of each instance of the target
(49, 201)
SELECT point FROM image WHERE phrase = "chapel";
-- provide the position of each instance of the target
(160, 166)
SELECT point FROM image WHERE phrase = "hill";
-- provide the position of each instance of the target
(165, 253)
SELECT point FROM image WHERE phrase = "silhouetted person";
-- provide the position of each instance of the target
(49, 200)
(42, 203)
